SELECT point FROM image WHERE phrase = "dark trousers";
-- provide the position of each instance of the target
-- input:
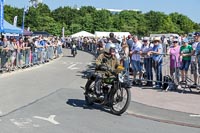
(148, 69)
(158, 70)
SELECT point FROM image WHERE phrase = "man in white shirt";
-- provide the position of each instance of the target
(194, 58)
(135, 59)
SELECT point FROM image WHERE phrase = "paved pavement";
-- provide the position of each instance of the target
(188, 102)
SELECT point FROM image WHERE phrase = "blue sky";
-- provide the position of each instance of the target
(189, 8)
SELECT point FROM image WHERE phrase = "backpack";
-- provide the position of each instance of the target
(168, 83)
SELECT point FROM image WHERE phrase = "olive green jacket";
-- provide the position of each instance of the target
(111, 62)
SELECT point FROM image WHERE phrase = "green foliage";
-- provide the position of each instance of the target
(89, 19)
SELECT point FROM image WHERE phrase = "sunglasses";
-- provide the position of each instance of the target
(175, 42)
(144, 40)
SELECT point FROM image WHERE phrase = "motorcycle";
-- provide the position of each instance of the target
(115, 93)
(74, 52)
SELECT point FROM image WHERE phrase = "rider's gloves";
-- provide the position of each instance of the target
(103, 68)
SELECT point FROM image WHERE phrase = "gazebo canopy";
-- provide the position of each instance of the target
(9, 28)
(27, 33)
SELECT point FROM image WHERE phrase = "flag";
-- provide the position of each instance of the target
(1, 14)
(28, 29)
(15, 21)
(35, 3)
(63, 32)
(26, 9)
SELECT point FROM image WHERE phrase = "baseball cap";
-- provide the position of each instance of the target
(197, 34)
(185, 40)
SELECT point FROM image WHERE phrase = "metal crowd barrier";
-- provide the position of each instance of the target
(169, 80)
(23, 58)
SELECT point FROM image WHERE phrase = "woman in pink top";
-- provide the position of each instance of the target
(20, 47)
(174, 52)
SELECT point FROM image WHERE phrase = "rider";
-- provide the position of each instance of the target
(73, 46)
(105, 61)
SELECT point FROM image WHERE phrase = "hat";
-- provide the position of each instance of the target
(175, 40)
(197, 34)
(145, 39)
(185, 40)
(156, 39)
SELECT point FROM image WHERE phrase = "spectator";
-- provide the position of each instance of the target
(195, 58)
(112, 39)
(100, 47)
(27, 53)
(125, 57)
(135, 60)
(130, 42)
(12, 49)
(35, 53)
(185, 56)
(41, 44)
(5, 53)
(174, 52)
(20, 47)
(157, 57)
(146, 47)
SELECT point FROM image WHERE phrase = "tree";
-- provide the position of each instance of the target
(184, 24)
(89, 19)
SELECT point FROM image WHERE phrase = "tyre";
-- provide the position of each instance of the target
(121, 101)
(88, 88)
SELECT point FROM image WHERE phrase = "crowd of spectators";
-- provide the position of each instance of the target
(141, 57)
(18, 53)
(146, 56)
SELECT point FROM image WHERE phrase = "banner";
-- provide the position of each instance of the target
(1, 14)
(15, 21)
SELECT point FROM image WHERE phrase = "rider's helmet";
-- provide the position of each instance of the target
(110, 48)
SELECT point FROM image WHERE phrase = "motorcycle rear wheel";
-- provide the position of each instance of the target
(121, 101)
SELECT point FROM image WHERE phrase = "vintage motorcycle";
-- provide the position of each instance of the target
(115, 93)
(74, 50)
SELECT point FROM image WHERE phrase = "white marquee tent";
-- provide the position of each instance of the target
(83, 34)
(106, 34)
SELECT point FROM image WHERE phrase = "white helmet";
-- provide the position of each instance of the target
(109, 46)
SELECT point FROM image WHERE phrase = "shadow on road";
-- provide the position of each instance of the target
(178, 90)
(81, 104)
(87, 72)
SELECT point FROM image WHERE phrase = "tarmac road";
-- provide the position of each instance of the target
(48, 99)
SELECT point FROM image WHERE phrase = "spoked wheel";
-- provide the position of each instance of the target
(74, 54)
(121, 101)
(88, 88)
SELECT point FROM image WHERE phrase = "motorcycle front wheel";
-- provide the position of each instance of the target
(88, 88)
(121, 101)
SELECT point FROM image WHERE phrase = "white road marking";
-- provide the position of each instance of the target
(24, 123)
(50, 119)
(72, 67)
(195, 116)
